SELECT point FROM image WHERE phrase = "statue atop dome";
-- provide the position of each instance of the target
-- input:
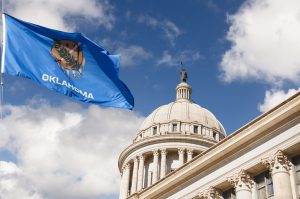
(183, 75)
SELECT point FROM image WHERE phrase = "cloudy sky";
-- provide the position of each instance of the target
(242, 58)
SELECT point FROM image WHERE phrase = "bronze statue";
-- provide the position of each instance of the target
(183, 75)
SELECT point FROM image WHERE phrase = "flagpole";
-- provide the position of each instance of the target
(2, 72)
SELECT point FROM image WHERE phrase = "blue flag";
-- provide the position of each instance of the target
(68, 63)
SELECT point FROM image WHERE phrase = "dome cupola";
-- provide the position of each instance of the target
(183, 90)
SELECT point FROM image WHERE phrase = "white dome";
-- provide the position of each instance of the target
(183, 111)
(182, 116)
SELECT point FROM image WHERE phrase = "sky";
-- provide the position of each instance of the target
(242, 58)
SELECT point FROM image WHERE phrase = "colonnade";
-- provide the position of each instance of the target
(279, 167)
(159, 170)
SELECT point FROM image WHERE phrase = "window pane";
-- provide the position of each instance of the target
(261, 186)
(262, 193)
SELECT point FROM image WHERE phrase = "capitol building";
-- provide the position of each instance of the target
(182, 151)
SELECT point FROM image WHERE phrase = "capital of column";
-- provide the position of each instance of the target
(181, 150)
(190, 151)
(126, 166)
(163, 151)
(241, 181)
(141, 157)
(155, 152)
(135, 159)
(277, 162)
(211, 192)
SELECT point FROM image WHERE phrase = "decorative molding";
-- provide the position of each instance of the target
(211, 192)
(241, 181)
(277, 162)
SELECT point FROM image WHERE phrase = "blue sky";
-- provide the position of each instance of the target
(202, 29)
(241, 58)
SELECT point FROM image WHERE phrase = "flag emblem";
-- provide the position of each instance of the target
(69, 57)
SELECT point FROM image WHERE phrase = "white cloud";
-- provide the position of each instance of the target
(65, 152)
(265, 42)
(170, 29)
(185, 56)
(131, 55)
(58, 14)
(13, 184)
(274, 97)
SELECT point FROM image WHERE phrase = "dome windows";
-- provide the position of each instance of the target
(174, 127)
(154, 130)
(215, 135)
(196, 129)
(184, 128)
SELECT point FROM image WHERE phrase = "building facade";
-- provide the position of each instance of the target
(182, 151)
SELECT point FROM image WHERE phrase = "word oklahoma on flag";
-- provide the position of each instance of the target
(68, 63)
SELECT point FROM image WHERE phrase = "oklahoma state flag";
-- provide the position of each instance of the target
(68, 63)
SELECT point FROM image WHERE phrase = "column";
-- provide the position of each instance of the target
(155, 166)
(210, 193)
(189, 154)
(163, 163)
(181, 156)
(125, 182)
(243, 184)
(279, 165)
(140, 173)
(134, 176)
